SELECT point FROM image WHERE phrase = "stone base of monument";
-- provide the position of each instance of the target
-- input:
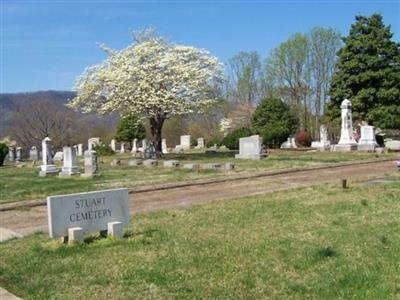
(171, 163)
(115, 229)
(321, 146)
(366, 148)
(345, 147)
(75, 235)
(48, 170)
(69, 172)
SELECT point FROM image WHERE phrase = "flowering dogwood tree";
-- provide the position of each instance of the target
(151, 78)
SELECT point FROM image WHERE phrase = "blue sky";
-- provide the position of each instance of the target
(45, 44)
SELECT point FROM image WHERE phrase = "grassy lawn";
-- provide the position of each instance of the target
(24, 183)
(312, 243)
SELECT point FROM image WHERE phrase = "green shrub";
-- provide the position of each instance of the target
(3, 153)
(232, 139)
(274, 121)
(103, 150)
(130, 127)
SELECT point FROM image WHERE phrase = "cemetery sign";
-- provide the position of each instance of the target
(91, 211)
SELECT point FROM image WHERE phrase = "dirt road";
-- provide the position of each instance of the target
(26, 221)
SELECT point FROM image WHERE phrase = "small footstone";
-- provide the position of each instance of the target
(211, 166)
(115, 229)
(75, 235)
(150, 163)
(191, 166)
(115, 162)
(229, 166)
(134, 162)
(171, 164)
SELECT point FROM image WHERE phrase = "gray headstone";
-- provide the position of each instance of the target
(251, 148)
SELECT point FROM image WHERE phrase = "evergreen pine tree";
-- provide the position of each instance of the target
(368, 74)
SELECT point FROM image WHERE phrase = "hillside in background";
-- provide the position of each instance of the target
(11, 102)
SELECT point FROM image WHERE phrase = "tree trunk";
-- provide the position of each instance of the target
(156, 124)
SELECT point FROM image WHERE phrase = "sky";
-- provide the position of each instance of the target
(46, 44)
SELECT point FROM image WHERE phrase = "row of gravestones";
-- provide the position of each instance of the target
(70, 166)
(173, 164)
(347, 141)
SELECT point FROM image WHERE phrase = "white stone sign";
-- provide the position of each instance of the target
(90, 211)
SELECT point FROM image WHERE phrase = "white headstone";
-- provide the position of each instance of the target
(200, 143)
(59, 156)
(367, 140)
(95, 141)
(18, 154)
(251, 148)
(90, 161)
(80, 149)
(91, 211)
(393, 145)
(164, 146)
(289, 144)
(134, 146)
(48, 167)
(185, 142)
(324, 143)
(70, 166)
(113, 145)
(122, 148)
(144, 146)
(33, 153)
(11, 153)
(347, 141)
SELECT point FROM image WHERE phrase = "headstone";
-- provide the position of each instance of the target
(18, 154)
(191, 166)
(91, 165)
(164, 146)
(11, 153)
(200, 143)
(229, 166)
(113, 145)
(122, 150)
(80, 149)
(289, 144)
(367, 141)
(91, 211)
(70, 167)
(324, 143)
(185, 142)
(33, 153)
(347, 141)
(59, 156)
(178, 149)
(115, 229)
(150, 151)
(144, 146)
(134, 162)
(48, 167)
(75, 235)
(134, 146)
(392, 145)
(115, 162)
(92, 142)
(171, 163)
(150, 163)
(251, 148)
(211, 166)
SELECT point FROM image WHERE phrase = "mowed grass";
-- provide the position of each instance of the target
(312, 243)
(24, 183)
